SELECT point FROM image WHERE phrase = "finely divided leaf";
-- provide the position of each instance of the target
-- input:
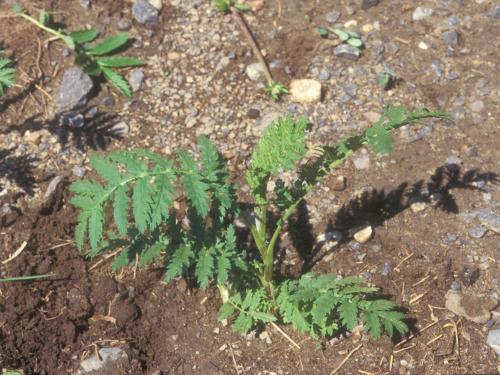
(204, 267)
(349, 314)
(120, 209)
(141, 203)
(118, 81)
(96, 223)
(109, 45)
(282, 144)
(151, 253)
(372, 323)
(106, 169)
(181, 258)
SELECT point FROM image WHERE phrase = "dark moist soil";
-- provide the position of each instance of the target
(48, 327)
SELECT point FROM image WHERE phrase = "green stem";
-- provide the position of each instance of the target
(42, 26)
(26, 278)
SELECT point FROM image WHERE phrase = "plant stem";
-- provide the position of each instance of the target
(26, 278)
(42, 26)
(253, 43)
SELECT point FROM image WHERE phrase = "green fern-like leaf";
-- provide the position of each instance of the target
(6, 74)
(372, 324)
(194, 186)
(119, 62)
(152, 253)
(179, 262)
(205, 267)
(118, 81)
(282, 144)
(349, 314)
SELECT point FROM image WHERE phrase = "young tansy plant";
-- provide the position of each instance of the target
(7, 74)
(139, 187)
(96, 60)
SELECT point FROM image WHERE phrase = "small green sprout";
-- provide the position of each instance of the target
(275, 90)
(349, 37)
(6, 74)
(224, 6)
(386, 78)
(96, 60)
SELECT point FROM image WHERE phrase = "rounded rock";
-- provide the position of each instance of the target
(305, 91)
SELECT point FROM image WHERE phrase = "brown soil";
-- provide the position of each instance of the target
(48, 327)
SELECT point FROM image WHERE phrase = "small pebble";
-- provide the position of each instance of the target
(347, 51)
(421, 13)
(332, 16)
(364, 234)
(478, 232)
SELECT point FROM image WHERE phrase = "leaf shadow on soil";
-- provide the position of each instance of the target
(97, 133)
(376, 206)
(18, 169)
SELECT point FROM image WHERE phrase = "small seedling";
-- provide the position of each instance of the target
(386, 78)
(139, 187)
(225, 5)
(97, 60)
(275, 90)
(6, 74)
(349, 37)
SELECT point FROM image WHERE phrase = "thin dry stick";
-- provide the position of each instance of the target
(234, 360)
(16, 253)
(285, 335)
(346, 359)
(253, 43)
(400, 263)
(415, 334)
(403, 349)
(58, 246)
(104, 259)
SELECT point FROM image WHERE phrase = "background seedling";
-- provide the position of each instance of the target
(273, 88)
(386, 78)
(26, 278)
(139, 187)
(6, 74)
(97, 60)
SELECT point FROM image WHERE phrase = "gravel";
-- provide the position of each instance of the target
(347, 51)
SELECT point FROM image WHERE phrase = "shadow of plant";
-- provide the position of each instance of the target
(376, 206)
(97, 130)
(17, 169)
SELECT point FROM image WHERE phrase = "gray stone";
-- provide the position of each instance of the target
(347, 51)
(421, 13)
(124, 24)
(109, 361)
(477, 106)
(75, 88)
(387, 268)
(493, 338)
(85, 4)
(366, 4)
(72, 119)
(254, 71)
(324, 75)
(332, 16)
(453, 21)
(53, 184)
(144, 12)
(78, 171)
(361, 161)
(135, 79)
(478, 232)
(495, 13)
(351, 89)
(450, 37)
(490, 220)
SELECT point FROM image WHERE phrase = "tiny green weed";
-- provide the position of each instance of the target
(275, 90)
(98, 60)
(7, 74)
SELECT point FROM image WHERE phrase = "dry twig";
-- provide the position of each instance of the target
(346, 359)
